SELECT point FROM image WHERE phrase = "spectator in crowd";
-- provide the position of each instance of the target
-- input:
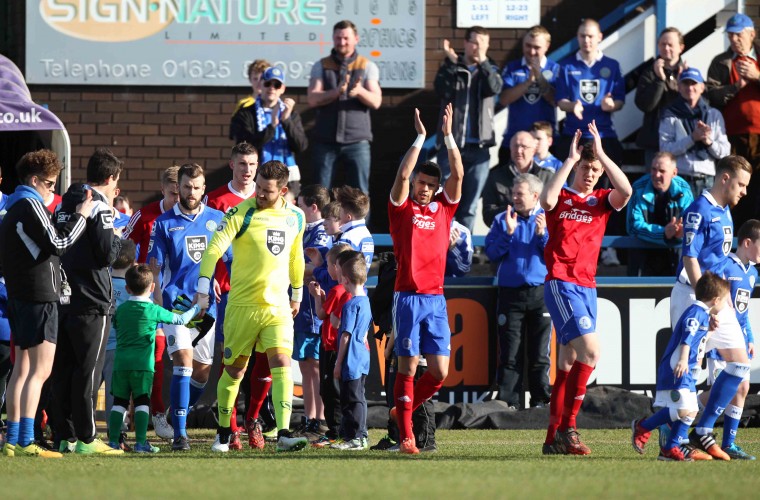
(528, 88)
(255, 71)
(179, 239)
(693, 132)
(459, 256)
(657, 88)
(498, 191)
(469, 82)
(654, 216)
(138, 230)
(543, 132)
(590, 87)
(273, 127)
(344, 87)
(84, 322)
(30, 267)
(733, 87)
(516, 243)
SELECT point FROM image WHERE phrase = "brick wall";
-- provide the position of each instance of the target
(152, 127)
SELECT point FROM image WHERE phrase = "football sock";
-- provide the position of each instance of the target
(180, 399)
(25, 431)
(233, 415)
(142, 416)
(661, 417)
(556, 403)
(574, 393)
(11, 436)
(196, 391)
(425, 388)
(261, 381)
(282, 395)
(115, 421)
(226, 391)
(157, 392)
(721, 394)
(678, 432)
(403, 392)
(731, 418)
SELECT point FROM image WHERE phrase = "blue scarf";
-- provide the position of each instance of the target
(689, 117)
(22, 192)
(277, 148)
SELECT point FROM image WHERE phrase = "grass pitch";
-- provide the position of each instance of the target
(468, 464)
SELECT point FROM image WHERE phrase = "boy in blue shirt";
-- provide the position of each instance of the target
(543, 133)
(742, 275)
(516, 243)
(679, 369)
(307, 326)
(352, 365)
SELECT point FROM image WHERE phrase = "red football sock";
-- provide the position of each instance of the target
(425, 388)
(261, 381)
(556, 404)
(574, 394)
(403, 392)
(157, 393)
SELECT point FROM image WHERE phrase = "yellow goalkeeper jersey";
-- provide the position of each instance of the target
(267, 252)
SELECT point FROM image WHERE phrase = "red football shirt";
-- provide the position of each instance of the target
(420, 236)
(54, 203)
(140, 225)
(223, 198)
(576, 227)
(334, 302)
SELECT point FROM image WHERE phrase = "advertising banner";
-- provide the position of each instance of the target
(212, 42)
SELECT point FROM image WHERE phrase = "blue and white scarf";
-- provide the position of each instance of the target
(277, 148)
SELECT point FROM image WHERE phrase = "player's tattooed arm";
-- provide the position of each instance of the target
(550, 194)
(400, 189)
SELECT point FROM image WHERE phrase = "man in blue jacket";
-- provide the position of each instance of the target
(516, 242)
(654, 216)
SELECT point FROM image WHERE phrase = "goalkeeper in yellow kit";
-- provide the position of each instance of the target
(266, 235)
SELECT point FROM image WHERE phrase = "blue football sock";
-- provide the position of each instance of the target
(196, 390)
(12, 435)
(678, 433)
(26, 431)
(661, 417)
(731, 419)
(180, 399)
(722, 392)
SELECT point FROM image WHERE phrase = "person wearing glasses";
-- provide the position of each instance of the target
(30, 265)
(273, 127)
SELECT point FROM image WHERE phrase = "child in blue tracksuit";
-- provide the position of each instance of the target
(516, 243)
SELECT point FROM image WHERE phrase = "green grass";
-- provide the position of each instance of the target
(469, 464)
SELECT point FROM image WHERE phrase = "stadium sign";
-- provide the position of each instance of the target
(212, 42)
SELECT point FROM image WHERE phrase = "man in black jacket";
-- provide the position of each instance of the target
(469, 82)
(29, 259)
(85, 320)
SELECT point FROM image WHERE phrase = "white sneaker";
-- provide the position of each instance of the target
(220, 447)
(352, 445)
(609, 257)
(286, 442)
(162, 427)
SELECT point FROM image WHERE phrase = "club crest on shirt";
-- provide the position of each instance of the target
(605, 72)
(195, 246)
(589, 90)
(433, 207)
(584, 322)
(741, 300)
(533, 94)
(210, 225)
(275, 241)
(592, 201)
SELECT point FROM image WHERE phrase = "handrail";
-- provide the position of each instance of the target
(605, 23)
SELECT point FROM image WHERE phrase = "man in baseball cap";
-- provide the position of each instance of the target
(732, 87)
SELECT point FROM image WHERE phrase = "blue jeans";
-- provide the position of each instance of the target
(355, 158)
(476, 161)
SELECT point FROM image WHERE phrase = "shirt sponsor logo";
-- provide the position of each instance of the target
(275, 241)
(728, 239)
(589, 90)
(577, 215)
(195, 246)
(176, 228)
(692, 325)
(423, 222)
(689, 238)
(106, 219)
(693, 220)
